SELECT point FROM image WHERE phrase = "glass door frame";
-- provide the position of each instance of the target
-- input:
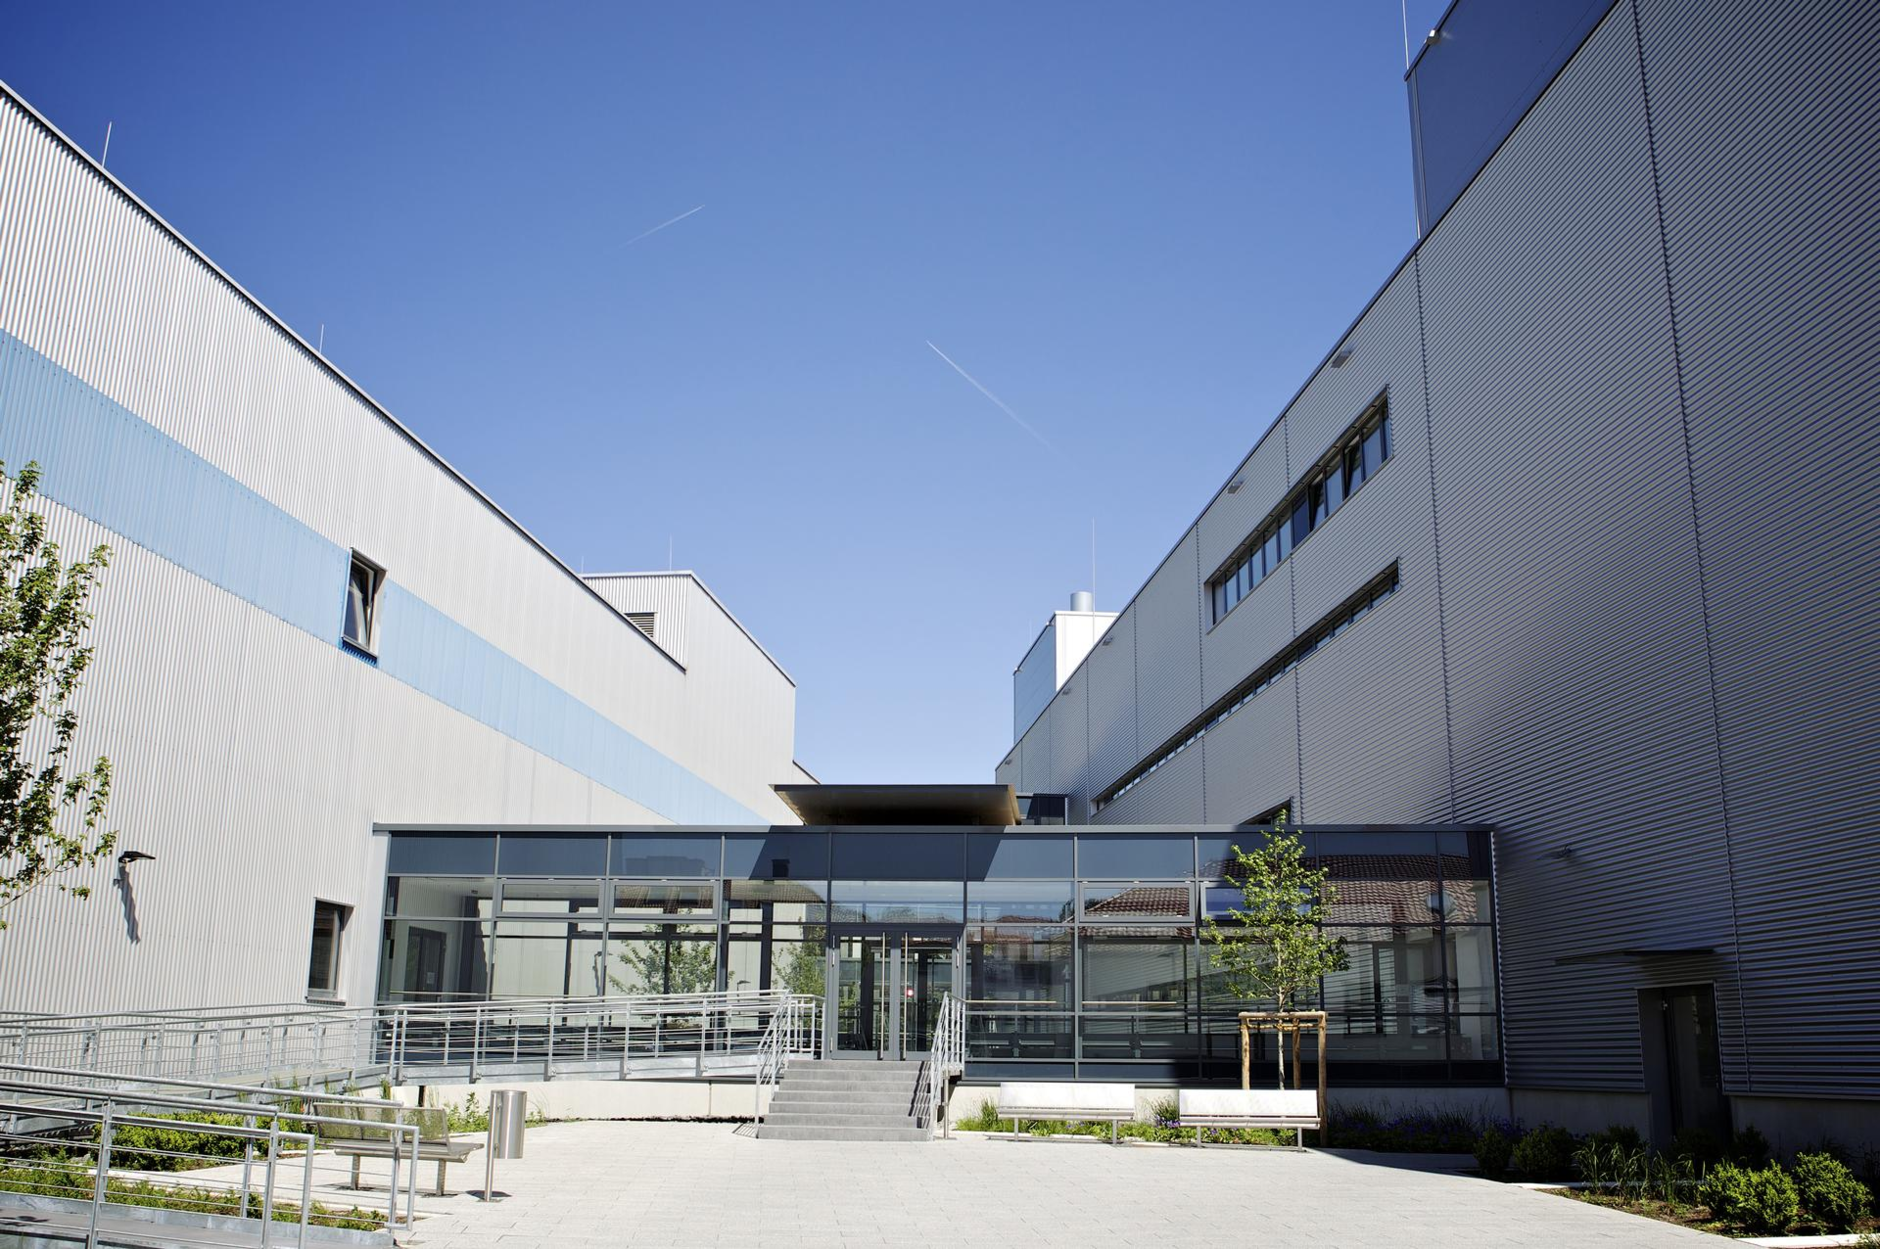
(894, 940)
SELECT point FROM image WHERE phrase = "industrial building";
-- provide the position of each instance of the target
(310, 623)
(1570, 534)
(1542, 608)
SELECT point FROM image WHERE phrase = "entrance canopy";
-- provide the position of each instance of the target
(988, 806)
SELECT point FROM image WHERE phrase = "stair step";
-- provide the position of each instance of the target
(786, 1100)
(843, 1097)
(789, 1133)
(797, 1118)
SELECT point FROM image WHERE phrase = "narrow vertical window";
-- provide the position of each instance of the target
(329, 925)
(363, 582)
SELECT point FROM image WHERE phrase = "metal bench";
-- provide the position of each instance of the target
(1076, 1103)
(360, 1140)
(1202, 1109)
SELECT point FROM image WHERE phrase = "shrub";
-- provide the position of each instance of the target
(1546, 1153)
(1828, 1192)
(1699, 1145)
(1622, 1134)
(1762, 1202)
(1770, 1203)
(1413, 1131)
(1749, 1148)
(1722, 1190)
(1493, 1152)
(138, 1148)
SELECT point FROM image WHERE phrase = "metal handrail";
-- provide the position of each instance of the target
(113, 1115)
(794, 1032)
(945, 1062)
(332, 1046)
(69, 1084)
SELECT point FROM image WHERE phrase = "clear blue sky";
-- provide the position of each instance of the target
(1139, 225)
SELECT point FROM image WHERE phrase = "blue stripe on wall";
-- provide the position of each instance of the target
(104, 462)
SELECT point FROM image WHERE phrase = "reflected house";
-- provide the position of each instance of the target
(1078, 951)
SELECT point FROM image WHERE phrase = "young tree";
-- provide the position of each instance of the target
(657, 967)
(1275, 949)
(50, 809)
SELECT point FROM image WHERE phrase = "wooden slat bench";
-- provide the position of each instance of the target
(363, 1141)
(1076, 1103)
(1202, 1109)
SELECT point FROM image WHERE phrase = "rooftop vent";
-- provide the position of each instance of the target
(1083, 600)
(641, 620)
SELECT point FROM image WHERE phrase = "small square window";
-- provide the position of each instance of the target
(329, 925)
(363, 583)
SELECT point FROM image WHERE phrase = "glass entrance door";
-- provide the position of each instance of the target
(885, 989)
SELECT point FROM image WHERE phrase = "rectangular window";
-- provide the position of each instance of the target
(329, 925)
(363, 583)
(1335, 486)
(1351, 461)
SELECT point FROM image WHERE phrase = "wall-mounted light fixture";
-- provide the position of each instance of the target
(1107, 639)
(1235, 485)
(134, 856)
(1343, 354)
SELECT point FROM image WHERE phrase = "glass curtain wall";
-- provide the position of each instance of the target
(1081, 952)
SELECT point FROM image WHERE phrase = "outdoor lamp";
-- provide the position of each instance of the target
(132, 856)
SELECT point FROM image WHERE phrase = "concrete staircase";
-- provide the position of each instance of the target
(845, 1100)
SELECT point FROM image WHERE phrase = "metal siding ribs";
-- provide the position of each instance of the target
(1577, 687)
(1769, 176)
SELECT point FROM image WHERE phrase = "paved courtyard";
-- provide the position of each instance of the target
(683, 1184)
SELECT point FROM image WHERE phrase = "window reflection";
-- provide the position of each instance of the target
(668, 958)
(1039, 901)
(545, 958)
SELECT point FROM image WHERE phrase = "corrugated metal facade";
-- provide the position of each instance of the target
(1635, 409)
(232, 472)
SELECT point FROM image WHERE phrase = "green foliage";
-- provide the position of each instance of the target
(1545, 1153)
(1276, 948)
(1770, 1203)
(1617, 1134)
(138, 1148)
(1494, 1153)
(659, 966)
(1160, 1128)
(51, 809)
(1749, 1148)
(1762, 1202)
(1828, 1192)
(1699, 1145)
(1413, 1131)
(801, 968)
(474, 1116)
(47, 1176)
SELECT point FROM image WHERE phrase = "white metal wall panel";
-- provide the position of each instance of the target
(1172, 794)
(1168, 647)
(1769, 171)
(1258, 628)
(666, 595)
(88, 279)
(1034, 682)
(1576, 658)
(252, 753)
(1252, 757)
(1070, 741)
(1366, 758)
(1110, 673)
(1232, 516)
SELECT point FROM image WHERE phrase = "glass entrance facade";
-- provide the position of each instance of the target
(1078, 951)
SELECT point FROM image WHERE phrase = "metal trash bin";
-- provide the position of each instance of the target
(509, 1115)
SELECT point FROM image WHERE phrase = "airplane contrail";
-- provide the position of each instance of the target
(662, 225)
(1000, 402)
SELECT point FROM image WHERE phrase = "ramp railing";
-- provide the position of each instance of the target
(650, 1036)
(795, 1031)
(946, 1063)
